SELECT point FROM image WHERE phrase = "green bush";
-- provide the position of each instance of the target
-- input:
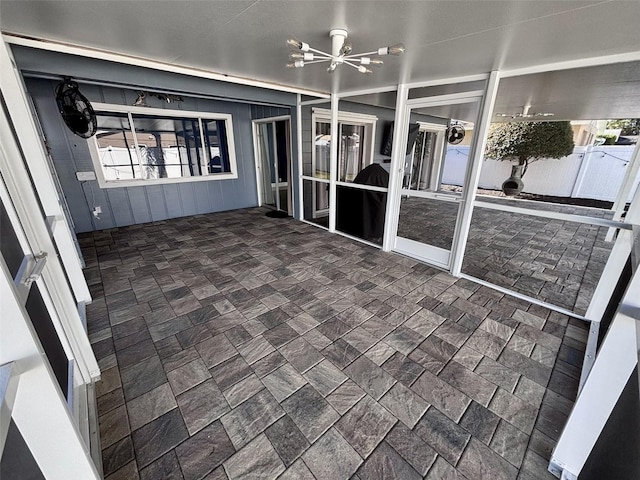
(527, 142)
(609, 139)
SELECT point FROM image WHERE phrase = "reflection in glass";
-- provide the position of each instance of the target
(350, 152)
(116, 147)
(423, 161)
(267, 164)
(428, 221)
(215, 138)
(169, 147)
(323, 150)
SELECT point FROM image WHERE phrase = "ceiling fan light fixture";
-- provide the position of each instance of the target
(341, 53)
(346, 49)
(525, 114)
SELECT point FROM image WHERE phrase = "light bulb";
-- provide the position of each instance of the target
(346, 49)
(301, 56)
(296, 64)
(397, 49)
(294, 42)
(376, 62)
(363, 69)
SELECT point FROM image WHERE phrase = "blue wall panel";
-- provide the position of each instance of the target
(156, 202)
(172, 198)
(124, 206)
(140, 205)
(120, 206)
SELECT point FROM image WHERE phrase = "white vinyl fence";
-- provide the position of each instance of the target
(589, 172)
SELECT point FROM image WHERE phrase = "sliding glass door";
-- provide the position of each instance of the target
(272, 149)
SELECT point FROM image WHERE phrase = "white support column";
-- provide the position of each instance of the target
(473, 173)
(18, 108)
(616, 360)
(610, 372)
(333, 174)
(396, 169)
(39, 409)
(633, 167)
(25, 201)
(299, 155)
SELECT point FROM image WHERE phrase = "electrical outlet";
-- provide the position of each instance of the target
(85, 176)
(97, 210)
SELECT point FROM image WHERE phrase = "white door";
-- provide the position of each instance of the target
(273, 162)
(434, 177)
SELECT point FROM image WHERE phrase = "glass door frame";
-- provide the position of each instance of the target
(257, 156)
(486, 99)
(423, 251)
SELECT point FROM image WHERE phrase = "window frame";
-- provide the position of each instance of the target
(201, 117)
(351, 118)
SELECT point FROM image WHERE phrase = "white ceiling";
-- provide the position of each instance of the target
(443, 39)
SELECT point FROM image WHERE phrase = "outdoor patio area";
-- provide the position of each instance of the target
(233, 345)
(555, 261)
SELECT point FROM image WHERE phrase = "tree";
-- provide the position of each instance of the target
(629, 126)
(526, 142)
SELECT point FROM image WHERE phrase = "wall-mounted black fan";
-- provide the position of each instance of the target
(75, 109)
(455, 134)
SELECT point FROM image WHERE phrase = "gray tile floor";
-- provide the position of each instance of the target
(238, 346)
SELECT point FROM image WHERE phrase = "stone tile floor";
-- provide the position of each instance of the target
(551, 260)
(238, 346)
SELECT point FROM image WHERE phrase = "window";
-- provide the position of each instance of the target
(138, 145)
(355, 150)
(423, 169)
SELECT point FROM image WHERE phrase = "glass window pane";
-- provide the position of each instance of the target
(350, 152)
(217, 155)
(316, 202)
(116, 147)
(322, 145)
(169, 147)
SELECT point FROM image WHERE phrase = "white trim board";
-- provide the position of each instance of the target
(53, 46)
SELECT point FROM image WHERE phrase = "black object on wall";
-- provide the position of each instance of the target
(387, 145)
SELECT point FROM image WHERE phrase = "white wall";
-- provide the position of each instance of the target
(597, 174)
